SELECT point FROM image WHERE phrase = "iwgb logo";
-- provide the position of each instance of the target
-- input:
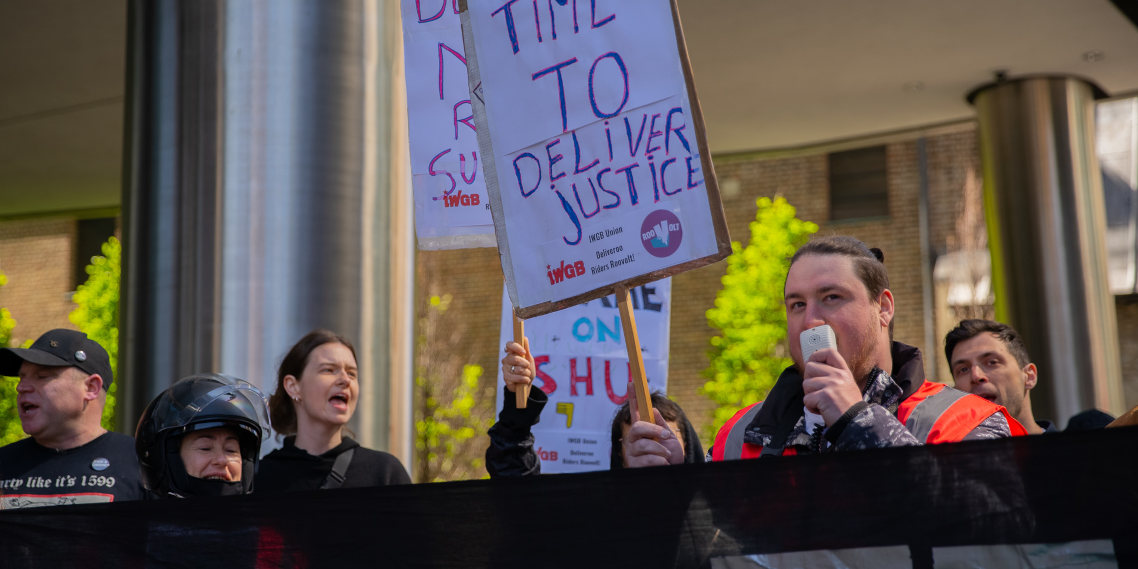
(560, 273)
(459, 199)
(661, 233)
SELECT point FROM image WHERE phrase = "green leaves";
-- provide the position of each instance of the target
(441, 432)
(97, 313)
(10, 429)
(451, 411)
(749, 352)
(7, 323)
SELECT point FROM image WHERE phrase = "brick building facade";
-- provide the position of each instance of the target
(36, 255)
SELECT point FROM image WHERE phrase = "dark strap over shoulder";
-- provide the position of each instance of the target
(339, 470)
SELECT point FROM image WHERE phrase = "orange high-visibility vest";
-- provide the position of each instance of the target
(933, 414)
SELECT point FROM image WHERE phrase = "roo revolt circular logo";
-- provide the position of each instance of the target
(661, 233)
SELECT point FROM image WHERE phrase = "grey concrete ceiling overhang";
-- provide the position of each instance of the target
(770, 74)
(61, 104)
(786, 74)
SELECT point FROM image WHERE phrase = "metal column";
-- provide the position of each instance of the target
(261, 190)
(1044, 208)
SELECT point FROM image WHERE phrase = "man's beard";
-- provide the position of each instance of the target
(865, 361)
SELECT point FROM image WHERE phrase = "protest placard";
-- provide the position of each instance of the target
(593, 147)
(451, 205)
(583, 368)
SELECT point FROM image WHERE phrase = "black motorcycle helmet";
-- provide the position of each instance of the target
(194, 403)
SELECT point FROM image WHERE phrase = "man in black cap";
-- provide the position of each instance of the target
(69, 458)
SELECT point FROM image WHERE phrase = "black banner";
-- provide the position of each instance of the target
(1046, 489)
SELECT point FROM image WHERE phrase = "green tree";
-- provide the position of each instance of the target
(449, 420)
(97, 313)
(749, 352)
(445, 428)
(10, 429)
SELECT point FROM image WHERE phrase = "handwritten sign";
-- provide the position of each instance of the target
(582, 366)
(594, 148)
(451, 205)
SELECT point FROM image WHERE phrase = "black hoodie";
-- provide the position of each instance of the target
(289, 469)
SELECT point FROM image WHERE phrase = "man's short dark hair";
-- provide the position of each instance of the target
(968, 329)
(869, 263)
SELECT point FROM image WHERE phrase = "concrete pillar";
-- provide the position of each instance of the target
(266, 194)
(1044, 208)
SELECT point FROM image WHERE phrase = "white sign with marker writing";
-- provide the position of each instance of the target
(582, 366)
(596, 160)
(451, 205)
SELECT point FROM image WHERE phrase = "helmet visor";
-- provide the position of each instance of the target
(213, 401)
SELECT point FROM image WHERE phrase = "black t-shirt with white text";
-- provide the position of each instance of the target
(103, 470)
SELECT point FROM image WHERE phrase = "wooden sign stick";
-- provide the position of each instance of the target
(522, 393)
(635, 358)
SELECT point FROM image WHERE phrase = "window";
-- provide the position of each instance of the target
(858, 184)
(90, 236)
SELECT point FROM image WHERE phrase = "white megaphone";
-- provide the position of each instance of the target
(811, 341)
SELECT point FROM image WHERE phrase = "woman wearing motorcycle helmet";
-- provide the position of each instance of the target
(202, 437)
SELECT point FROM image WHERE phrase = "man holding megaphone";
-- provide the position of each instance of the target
(851, 386)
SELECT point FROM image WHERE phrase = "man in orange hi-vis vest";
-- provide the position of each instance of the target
(868, 392)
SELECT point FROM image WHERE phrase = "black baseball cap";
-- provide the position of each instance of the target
(60, 347)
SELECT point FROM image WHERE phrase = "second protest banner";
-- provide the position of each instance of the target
(583, 368)
(451, 206)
